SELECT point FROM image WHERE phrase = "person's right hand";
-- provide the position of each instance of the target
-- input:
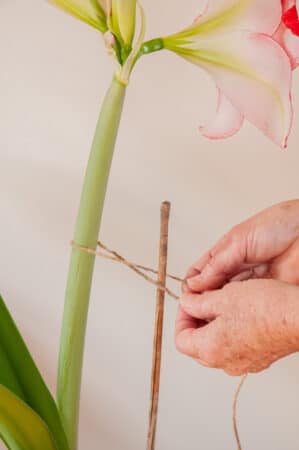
(264, 246)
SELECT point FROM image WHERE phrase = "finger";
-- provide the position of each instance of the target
(198, 343)
(235, 371)
(195, 270)
(184, 328)
(184, 321)
(226, 260)
(202, 362)
(185, 288)
(197, 267)
(260, 271)
(207, 306)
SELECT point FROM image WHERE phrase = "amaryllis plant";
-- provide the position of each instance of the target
(249, 48)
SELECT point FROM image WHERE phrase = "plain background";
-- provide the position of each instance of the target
(53, 76)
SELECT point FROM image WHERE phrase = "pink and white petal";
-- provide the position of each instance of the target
(287, 35)
(291, 20)
(290, 43)
(254, 73)
(287, 4)
(261, 16)
(226, 122)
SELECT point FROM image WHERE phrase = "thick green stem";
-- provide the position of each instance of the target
(82, 263)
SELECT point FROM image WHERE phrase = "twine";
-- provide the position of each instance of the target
(137, 268)
(112, 255)
(235, 412)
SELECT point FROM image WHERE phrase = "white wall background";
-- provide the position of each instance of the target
(53, 75)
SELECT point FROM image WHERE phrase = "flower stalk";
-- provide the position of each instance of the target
(82, 264)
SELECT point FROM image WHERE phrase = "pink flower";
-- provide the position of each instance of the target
(287, 33)
(249, 48)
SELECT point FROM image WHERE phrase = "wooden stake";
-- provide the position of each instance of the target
(157, 347)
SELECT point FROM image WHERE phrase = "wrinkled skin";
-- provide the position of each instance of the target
(240, 305)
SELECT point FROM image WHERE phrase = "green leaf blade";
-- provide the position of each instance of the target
(8, 377)
(19, 373)
(20, 427)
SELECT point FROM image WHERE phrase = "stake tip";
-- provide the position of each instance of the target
(165, 205)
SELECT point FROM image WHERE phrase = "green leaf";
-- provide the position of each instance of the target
(20, 427)
(19, 374)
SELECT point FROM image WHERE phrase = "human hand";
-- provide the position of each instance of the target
(243, 327)
(265, 246)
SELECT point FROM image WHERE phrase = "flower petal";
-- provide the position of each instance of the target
(287, 4)
(291, 20)
(262, 16)
(83, 10)
(290, 43)
(254, 73)
(227, 121)
(124, 17)
(287, 33)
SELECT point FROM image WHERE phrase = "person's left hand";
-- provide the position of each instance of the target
(243, 327)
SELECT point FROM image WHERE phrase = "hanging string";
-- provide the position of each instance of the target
(142, 271)
(235, 412)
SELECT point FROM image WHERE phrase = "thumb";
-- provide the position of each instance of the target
(225, 260)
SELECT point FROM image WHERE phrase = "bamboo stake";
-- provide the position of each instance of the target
(157, 347)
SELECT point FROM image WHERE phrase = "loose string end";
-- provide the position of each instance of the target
(235, 404)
